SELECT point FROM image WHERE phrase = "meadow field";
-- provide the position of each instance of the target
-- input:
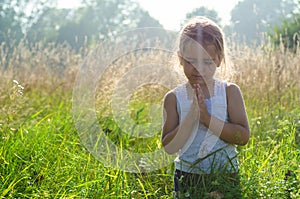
(42, 155)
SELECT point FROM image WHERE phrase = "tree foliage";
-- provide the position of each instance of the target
(251, 18)
(203, 11)
(287, 33)
(98, 19)
(46, 28)
(94, 20)
(10, 25)
(17, 16)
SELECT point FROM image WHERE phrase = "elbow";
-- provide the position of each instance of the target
(243, 143)
(245, 138)
(169, 149)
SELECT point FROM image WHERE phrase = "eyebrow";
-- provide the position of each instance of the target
(189, 58)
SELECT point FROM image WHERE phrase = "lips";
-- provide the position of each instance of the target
(198, 76)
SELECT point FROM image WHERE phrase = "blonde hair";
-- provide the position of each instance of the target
(205, 32)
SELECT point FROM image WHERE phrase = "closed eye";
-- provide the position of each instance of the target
(192, 62)
(195, 62)
(208, 61)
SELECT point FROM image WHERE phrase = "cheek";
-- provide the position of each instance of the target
(186, 70)
(213, 69)
(209, 70)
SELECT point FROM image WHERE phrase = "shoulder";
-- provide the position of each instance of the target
(172, 94)
(170, 103)
(233, 91)
(232, 88)
(170, 97)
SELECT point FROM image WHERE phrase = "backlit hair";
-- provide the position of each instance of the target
(205, 32)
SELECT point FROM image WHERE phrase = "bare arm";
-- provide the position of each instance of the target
(175, 135)
(237, 130)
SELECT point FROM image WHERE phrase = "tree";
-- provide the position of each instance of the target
(110, 17)
(15, 18)
(287, 33)
(95, 20)
(10, 25)
(251, 18)
(46, 28)
(203, 11)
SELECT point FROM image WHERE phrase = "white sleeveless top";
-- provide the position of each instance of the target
(204, 152)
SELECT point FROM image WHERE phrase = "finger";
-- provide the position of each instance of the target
(200, 91)
(196, 95)
(199, 97)
(196, 90)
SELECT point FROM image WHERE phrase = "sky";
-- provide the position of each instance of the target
(170, 13)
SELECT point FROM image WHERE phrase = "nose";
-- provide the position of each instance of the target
(199, 68)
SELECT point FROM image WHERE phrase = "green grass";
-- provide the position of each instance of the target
(42, 157)
(41, 154)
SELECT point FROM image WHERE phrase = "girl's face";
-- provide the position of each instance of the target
(199, 63)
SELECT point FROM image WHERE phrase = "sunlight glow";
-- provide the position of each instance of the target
(68, 4)
(171, 13)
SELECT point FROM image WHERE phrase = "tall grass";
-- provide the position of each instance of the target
(41, 155)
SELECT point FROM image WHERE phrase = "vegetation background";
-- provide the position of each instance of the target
(41, 155)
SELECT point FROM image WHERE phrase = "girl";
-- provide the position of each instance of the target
(205, 118)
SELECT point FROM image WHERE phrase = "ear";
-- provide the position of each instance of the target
(180, 58)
